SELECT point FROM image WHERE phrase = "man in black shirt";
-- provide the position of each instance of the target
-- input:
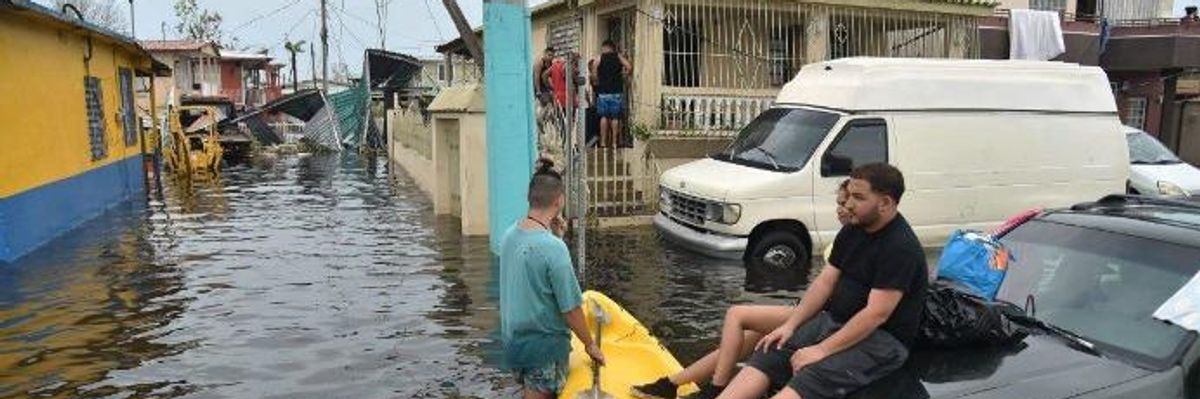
(855, 323)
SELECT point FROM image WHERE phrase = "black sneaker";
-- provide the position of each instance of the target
(707, 391)
(661, 389)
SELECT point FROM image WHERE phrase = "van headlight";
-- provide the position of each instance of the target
(1169, 189)
(723, 213)
(664, 199)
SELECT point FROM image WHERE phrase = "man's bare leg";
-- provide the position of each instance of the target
(616, 132)
(605, 126)
(750, 383)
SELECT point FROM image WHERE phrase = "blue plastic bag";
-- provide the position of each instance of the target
(976, 261)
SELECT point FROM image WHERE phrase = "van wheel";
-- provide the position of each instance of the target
(781, 251)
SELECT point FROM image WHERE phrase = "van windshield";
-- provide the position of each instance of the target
(780, 139)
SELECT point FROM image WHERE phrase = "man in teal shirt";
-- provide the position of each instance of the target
(539, 295)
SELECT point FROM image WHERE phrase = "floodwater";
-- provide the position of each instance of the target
(313, 277)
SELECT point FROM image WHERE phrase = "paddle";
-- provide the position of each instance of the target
(595, 392)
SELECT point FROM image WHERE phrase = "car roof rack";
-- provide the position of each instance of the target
(1129, 199)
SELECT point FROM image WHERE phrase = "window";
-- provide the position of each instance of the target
(781, 139)
(861, 142)
(681, 54)
(128, 115)
(1135, 112)
(781, 51)
(93, 98)
(1048, 5)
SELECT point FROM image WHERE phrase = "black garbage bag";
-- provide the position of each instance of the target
(955, 319)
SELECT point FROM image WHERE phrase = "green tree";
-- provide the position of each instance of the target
(293, 48)
(197, 23)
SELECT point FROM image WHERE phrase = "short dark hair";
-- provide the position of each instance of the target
(608, 43)
(1190, 9)
(884, 179)
(545, 186)
(550, 49)
(845, 184)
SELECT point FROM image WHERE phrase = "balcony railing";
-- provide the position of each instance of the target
(708, 115)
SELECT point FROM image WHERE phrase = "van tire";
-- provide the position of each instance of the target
(781, 251)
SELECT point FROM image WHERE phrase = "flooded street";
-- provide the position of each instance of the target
(317, 277)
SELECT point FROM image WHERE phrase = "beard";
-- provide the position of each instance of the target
(865, 218)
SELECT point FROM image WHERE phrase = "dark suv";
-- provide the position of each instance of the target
(1092, 276)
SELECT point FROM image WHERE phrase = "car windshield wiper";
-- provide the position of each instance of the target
(1073, 340)
(770, 157)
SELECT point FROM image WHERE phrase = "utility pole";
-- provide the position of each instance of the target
(163, 27)
(312, 56)
(381, 9)
(132, 33)
(465, 32)
(324, 48)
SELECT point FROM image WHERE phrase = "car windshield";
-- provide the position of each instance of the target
(780, 139)
(1102, 286)
(1147, 150)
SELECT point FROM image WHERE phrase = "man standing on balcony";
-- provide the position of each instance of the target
(610, 71)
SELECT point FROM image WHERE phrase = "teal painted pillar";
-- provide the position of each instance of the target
(511, 142)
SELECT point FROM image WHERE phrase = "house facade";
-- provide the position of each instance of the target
(72, 145)
(249, 80)
(196, 67)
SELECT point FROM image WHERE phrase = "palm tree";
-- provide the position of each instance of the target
(293, 48)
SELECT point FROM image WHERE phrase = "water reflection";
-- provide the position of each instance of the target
(309, 277)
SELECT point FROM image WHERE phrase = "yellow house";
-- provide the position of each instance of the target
(70, 144)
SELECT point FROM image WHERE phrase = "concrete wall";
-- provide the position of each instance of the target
(461, 137)
(415, 165)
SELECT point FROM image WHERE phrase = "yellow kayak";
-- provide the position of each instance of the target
(633, 355)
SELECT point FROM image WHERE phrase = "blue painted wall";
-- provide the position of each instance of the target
(33, 217)
(510, 118)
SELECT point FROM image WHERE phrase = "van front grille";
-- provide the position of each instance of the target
(687, 208)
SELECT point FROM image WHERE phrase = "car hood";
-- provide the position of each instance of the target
(1040, 367)
(1183, 175)
(716, 180)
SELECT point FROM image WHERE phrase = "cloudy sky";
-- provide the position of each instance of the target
(414, 26)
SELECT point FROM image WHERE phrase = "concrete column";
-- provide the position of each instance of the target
(816, 35)
(647, 74)
(511, 138)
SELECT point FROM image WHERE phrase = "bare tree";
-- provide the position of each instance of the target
(108, 14)
(197, 23)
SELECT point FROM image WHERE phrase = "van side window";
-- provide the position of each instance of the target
(861, 142)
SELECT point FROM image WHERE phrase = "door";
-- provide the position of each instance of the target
(128, 112)
(859, 142)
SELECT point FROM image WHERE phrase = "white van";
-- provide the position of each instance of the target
(977, 141)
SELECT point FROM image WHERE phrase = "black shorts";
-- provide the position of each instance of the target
(838, 375)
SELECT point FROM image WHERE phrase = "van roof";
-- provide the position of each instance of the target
(909, 84)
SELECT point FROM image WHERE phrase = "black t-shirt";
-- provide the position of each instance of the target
(891, 258)
(610, 74)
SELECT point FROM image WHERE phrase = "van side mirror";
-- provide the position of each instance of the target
(835, 165)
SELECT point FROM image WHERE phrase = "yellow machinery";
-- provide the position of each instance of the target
(193, 151)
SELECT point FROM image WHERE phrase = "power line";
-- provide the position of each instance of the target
(436, 25)
(303, 18)
(260, 17)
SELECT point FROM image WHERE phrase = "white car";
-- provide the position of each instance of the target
(1154, 170)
